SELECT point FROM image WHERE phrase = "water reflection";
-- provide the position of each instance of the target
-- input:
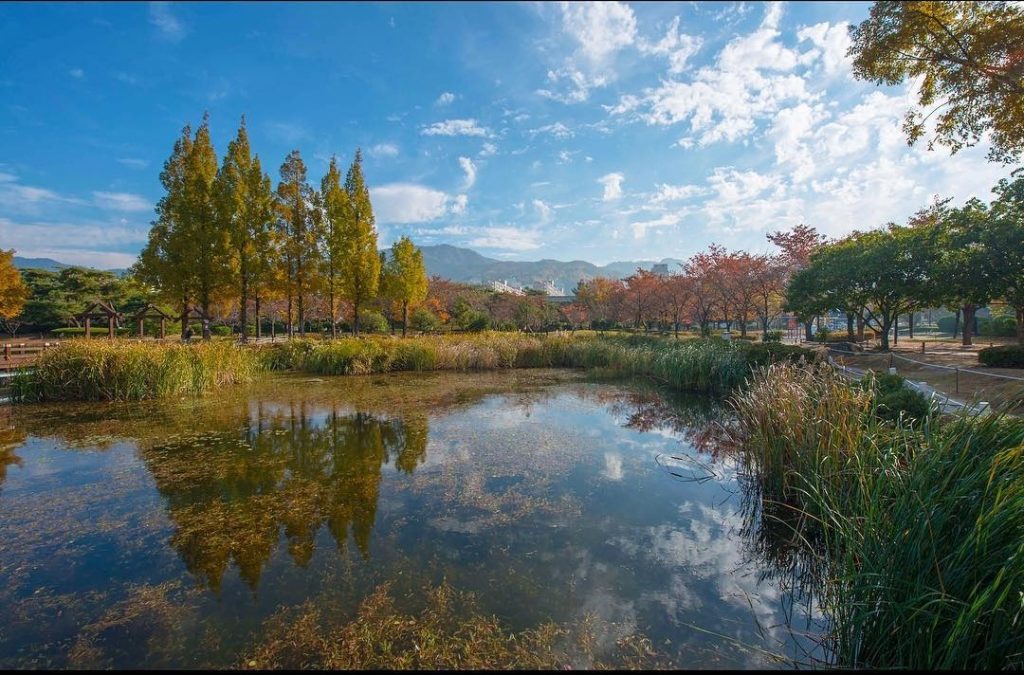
(285, 469)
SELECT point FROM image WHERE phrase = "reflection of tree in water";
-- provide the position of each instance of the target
(11, 437)
(232, 493)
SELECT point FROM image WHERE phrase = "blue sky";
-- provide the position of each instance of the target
(602, 132)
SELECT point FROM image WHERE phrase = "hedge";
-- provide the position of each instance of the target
(1007, 356)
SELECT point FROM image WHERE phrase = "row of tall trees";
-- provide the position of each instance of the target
(962, 257)
(225, 232)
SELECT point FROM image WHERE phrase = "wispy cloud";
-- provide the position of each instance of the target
(133, 162)
(76, 73)
(465, 127)
(445, 98)
(121, 201)
(168, 26)
(470, 170)
(384, 150)
(612, 186)
(413, 203)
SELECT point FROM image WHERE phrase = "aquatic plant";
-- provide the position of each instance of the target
(921, 525)
(130, 371)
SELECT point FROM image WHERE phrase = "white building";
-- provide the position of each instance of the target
(505, 287)
(550, 288)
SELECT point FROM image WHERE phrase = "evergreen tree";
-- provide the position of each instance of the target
(265, 259)
(405, 277)
(360, 265)
(336, 215)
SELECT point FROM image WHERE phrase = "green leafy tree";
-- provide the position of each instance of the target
(969, 57)
(360, 264)
(245, 212)
(298, 235)
(187, 256)
(1005, 238)
(405, 277)
(336, 215)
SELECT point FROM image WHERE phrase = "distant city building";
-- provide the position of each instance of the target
(550, 288)
(660, 268)
(505, 287)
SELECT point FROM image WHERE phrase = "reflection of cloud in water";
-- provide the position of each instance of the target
(612, 466)
(703, 549)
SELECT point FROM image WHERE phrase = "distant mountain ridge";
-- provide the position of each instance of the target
(463, 264)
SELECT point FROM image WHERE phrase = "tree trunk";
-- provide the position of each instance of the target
(259, 326)
(808, 336)
(956, 323)
(886, 326)
(849, 325)
(355, 318)
(743, 325)
(244, 313)
(968, 331)
(334, 322)
(1020, 324)
(302, 314)
(184, 319)
(911, 325)
(290, 326)
(405, 317)
(896, 330)
(860, 327)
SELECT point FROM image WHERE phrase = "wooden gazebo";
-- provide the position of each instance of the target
(196, 312)
(100, 310)
(151, 311)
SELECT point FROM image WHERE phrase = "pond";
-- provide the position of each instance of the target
(267, 525)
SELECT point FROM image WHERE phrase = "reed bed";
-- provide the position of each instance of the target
(919, 522)
(713, 366)
(124, 371)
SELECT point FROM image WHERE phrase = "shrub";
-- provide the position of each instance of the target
(424, 320)
(894, 400)
(1006, 356)
(774, 336)
(764, 353)
(221, 330)
(371, 321)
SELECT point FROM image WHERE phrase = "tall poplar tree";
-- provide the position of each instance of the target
(265, 258)
(299, 234)
(336, 214)
(360, 265)
(405, 277)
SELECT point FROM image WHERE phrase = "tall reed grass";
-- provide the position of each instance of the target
(125, 371)
(920, 523)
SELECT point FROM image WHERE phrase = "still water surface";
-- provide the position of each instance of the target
(176, 534)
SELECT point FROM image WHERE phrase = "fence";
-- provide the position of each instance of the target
(965, 384)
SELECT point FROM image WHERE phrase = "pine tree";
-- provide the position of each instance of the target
(299, 235)
(336, 214)
(360, 265)
(405, 277)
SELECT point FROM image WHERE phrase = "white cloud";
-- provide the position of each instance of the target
(508, 238)
(168, 25)
(612, 186)
(543, 210)
(459, 204)
(76, 73)
(470, 170)
(577, 83)
(488, 150)
(678, 47)
(133, 162)
(600, 28)
(667, 220)
(80, 243)
(384, 150)
(407, 203)
(445, 98)
(675, 193)
(121, 201)
(467, 127)
(558, 130)
(833, 40)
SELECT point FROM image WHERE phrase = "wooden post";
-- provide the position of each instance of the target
(88, 327)
(111, 321)
(163, 328)
(922, 346)
(7, 352)
(142, 329)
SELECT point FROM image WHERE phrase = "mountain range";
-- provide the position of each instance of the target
(463, 264)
